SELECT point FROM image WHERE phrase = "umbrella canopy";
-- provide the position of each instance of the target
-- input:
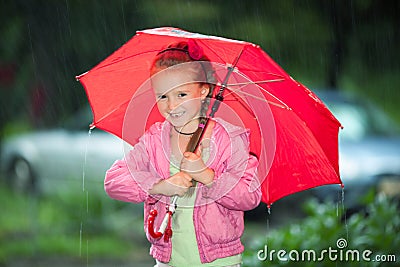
(293, 133)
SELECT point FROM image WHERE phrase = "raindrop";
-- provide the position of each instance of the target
(85, 157)
(86, 195)
(344, 214)
(123, 19)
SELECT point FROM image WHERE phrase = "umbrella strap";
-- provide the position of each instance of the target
(168, 230)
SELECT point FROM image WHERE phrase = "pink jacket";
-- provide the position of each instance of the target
(218, 213)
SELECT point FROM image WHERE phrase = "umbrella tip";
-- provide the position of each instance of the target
(78, 77)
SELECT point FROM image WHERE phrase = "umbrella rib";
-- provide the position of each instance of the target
(109, 113)
(276, 98)
(238, 91)
(258, 82)
(282, 105)
(123, 103)
(282, 78)
(242, 102)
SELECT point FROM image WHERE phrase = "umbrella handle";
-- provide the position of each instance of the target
(166, 223)
(150, 225)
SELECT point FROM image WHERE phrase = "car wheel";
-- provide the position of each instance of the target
(21, 177)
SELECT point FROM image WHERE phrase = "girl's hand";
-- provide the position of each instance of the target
(193, 164)
(177, 184)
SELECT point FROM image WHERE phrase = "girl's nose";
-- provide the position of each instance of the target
(172, 104)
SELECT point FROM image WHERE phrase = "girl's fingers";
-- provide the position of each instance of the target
(198, 150)
(187, 177)
(188, 155)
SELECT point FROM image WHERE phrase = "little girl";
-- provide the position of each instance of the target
(208, 221)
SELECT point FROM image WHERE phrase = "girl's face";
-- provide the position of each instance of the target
(179, 98)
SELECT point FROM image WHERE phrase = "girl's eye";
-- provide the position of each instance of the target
(182, 94)
(160, 97)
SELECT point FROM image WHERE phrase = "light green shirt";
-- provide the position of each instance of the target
(185, 251)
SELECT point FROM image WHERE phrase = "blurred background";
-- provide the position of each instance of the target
(52, 168)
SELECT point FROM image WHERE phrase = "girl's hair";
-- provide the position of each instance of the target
(186, 52)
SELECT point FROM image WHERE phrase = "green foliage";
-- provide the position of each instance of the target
(376, 230)
(74, 225)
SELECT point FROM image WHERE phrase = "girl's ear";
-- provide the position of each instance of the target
(204, 91)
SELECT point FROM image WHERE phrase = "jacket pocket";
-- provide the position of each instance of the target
(219, 225)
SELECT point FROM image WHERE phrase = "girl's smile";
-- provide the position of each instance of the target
(179, 99)
(176, 115)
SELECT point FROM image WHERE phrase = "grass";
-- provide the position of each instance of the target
(69, 226)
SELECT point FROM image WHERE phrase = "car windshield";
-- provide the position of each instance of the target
(359, 118)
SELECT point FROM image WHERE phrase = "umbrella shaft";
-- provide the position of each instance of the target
(197, 136)
(220, 96)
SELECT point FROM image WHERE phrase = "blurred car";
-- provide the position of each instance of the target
(369, 160)
(369, 150)
(60, 158)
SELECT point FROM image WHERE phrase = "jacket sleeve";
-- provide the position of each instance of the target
(131, 178)
(236, 186)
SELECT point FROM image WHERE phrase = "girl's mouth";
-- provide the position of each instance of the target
(176, 114)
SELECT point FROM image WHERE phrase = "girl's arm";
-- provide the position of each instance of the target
(178, 184)
(130, 179)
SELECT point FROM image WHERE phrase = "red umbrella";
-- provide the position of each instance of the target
(293, 133)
